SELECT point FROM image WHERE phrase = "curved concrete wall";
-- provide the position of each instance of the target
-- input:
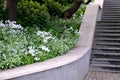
(71, 66)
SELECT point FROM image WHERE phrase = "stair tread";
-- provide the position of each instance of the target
(102, 34)
(103, 53)
(116, 39)
(108, 43)
(103, 69)
(107, 48)
(105, 65)
(108, 31)
(106, 62)
(105, 59)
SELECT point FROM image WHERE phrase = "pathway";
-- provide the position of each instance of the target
(102, 76)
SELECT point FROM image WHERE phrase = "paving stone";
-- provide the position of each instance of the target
(102, 76)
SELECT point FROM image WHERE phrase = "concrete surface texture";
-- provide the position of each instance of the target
(102, 76)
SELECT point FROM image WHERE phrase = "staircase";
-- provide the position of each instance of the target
(106, 45)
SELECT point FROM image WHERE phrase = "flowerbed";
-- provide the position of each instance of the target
(21, 46)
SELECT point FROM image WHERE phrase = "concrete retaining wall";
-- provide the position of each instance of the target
(71, 66)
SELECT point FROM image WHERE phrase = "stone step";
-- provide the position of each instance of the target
(109, 12)
(110, 1)
(113, 70)
(111, 5)
(111, 16)
(103, 32)
(102, 53)
(105, 65)
(106, 48)
(111, 19)
(107, 44)
(107, 39)
(105, 59)
(107, 23)
(115, 8)
(106, 36)
(109, 56)
(111, 9)
(105, 51)
(107, 31)
(106, 62)
(114, 12)
(108, 28)
(111, 35)
(106, 3)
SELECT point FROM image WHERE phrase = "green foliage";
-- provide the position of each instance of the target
(55, 9)
(65, 2)
(21, 46)
(59, 26)
(1, 10)
(31, 13)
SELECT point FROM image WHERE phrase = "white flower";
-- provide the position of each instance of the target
(44, 48)
(15, 31)
(31, 50)
(12, 24)
(47, 38)
(42, 33)
(1, 24)
(36, 58)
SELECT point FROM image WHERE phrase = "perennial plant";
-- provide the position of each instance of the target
(21, 46)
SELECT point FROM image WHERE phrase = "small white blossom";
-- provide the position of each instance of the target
(42, 33)
(1, 24)
(31, 50)
(44, 48)
(12, 24)
(47, 38)
(36, 58)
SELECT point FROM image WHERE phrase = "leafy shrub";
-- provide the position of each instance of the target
(65, 2)
(32, 14)
(59, 26)
(54, 8)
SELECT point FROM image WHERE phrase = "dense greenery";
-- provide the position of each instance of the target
(43, 35)
(1, 10)
(32, 14)
(21, 46)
